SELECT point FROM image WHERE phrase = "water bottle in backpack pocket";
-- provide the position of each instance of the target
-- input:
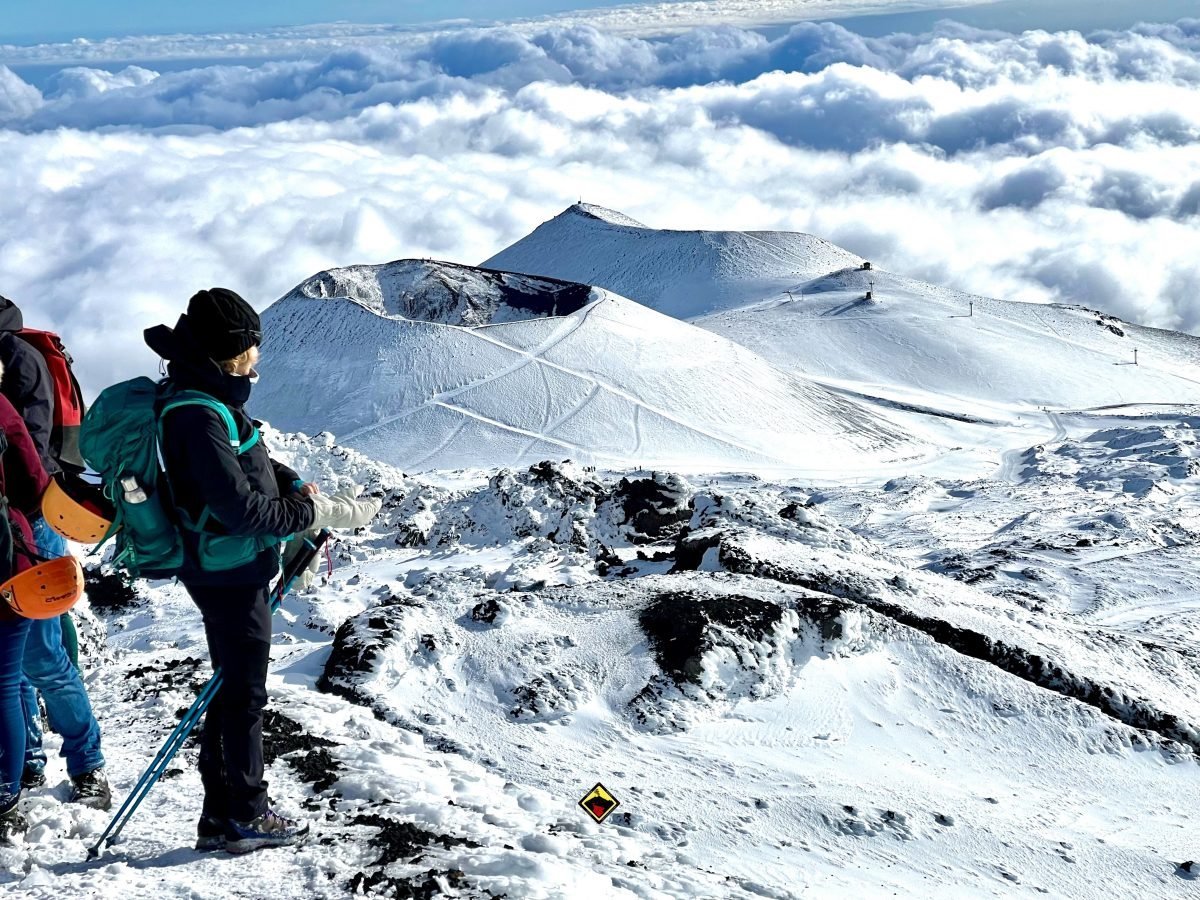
(148, 543)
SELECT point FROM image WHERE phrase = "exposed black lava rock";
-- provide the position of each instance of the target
(606, 560)
(108, 591)
(691, 547)
(168, 672)
(959, 567)
(1136, 712)
(679, 626)
(792, 510)
(416, 887)
(404, 841)
(1189, 870)
(284, 737)
(541, 696)
(655, 508)
(486, 611)
(357, 644)
(187, 674)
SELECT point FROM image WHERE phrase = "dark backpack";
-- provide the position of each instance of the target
(120, 440)
(7, 546)
(68, 398)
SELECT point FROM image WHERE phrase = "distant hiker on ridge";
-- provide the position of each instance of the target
(240, 504)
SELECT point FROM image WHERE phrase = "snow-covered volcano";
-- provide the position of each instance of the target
(609, 382)
(680, 273)
(811, 307)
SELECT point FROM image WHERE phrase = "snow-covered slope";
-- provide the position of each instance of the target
(802, 303)
(931, 345)
(611, 382)
(680, 273)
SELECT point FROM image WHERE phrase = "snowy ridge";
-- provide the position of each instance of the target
(612, 383)
(680, 273)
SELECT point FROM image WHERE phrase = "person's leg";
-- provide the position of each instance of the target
(50, 667)
(67, 706)
(212, 758)
(52, 545)
(35, 753)
(237, 621)
(70, 638)
(12, 715)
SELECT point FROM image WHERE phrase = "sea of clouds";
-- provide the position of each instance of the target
(1051, 167)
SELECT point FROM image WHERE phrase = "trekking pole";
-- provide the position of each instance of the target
(175, 740)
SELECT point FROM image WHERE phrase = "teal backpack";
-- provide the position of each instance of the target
(120, 439)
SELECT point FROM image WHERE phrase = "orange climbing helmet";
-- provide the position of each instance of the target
(77, 510)
(47, 590)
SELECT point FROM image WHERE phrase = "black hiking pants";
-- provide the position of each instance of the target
(237, 624)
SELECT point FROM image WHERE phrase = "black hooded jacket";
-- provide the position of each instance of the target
(250, 494)
(27, 383)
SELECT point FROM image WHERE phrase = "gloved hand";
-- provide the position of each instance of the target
(294, 548)
(343, 509)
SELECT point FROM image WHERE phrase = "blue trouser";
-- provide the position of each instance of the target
(12, 723)
(35, 753)
(48, 668)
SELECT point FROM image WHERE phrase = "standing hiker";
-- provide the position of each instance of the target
(235, 503)
(23, 480)
(49, 664)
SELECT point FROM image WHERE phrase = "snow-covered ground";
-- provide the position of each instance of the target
(961, 687)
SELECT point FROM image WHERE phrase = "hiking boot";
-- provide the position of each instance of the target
(210, 833)
(12, 826)
(268, 830)
(32, 778)
(91, 789)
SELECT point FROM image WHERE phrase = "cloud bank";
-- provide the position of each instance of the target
(634, 19)
(1043, 166)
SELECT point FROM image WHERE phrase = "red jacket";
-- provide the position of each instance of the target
(23, 480)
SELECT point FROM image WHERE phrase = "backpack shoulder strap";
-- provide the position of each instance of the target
(198, 398)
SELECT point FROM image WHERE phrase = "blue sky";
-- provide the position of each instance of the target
(58, 19)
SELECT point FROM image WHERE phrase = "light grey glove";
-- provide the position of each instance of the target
(294, 548)
(343, 510)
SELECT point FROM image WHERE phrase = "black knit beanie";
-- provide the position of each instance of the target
(223, 324)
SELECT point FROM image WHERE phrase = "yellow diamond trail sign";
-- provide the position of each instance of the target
(598, 803)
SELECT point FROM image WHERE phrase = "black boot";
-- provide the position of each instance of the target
(91, 789)
(12, 826)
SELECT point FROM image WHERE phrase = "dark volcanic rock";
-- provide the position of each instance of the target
(655, 508)
(305, 753)
(680, 627)
(405, 842)
(356, 646)
(108, 591)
